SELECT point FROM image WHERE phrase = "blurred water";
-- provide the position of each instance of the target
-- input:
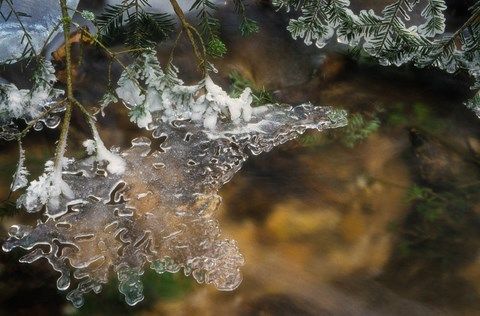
(29, 25)
(389, 226)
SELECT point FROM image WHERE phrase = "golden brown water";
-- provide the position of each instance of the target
(390, 226)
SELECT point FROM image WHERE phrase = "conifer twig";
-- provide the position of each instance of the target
(62, 143)
(200, 55)
(113, 55)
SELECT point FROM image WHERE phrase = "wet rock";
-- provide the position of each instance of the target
(290, 221)
(440, 165)
(281, 305)
(329, 209)
(474, 146)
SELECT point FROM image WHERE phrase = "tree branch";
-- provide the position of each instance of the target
(62, 143)
(201, 56)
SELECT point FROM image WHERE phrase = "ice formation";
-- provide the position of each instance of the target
(115, 164)
(20, 176)
(159, 210)
(37, 18)
(46, 190)
(145, 88)
(29, 104)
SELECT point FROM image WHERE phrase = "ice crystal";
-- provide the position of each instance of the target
(29, 104)
(20, 177)
(115, 164)
(160, 211)
(46, 190)
(146, 88)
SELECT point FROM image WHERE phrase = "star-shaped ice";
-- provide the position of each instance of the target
(159, 211)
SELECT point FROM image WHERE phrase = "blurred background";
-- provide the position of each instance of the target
(381, 217)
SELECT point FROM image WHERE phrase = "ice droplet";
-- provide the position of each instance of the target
(52, 122)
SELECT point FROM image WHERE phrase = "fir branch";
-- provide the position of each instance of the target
(209, 27)
(433, 13)
(387, 37)
(130, 23)
(240, 83)
(110, 22)
(247, 25)
(358, 129)
(461, 50)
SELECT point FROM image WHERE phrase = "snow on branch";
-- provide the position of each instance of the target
(30, 104)
(390, 37)
(148, 91)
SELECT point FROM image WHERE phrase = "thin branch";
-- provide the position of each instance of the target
(201, 56)
(112, 55)
(32, 123)
(62, 143)
(82, 109)
(172, 52)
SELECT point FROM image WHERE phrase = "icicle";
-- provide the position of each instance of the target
(20, 177)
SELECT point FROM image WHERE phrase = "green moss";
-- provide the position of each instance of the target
(166, 286)
(358, 129)
(240, 83)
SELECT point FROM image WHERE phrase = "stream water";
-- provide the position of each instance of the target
(329, 224)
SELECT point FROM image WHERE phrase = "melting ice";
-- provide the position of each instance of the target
(159, 211)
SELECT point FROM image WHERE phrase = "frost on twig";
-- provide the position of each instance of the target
(20, 177)
(29, 104)
(46, 190)
(147, 90)
(115, 163)
(160, 211)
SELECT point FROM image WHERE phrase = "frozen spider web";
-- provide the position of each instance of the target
(154, 203)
